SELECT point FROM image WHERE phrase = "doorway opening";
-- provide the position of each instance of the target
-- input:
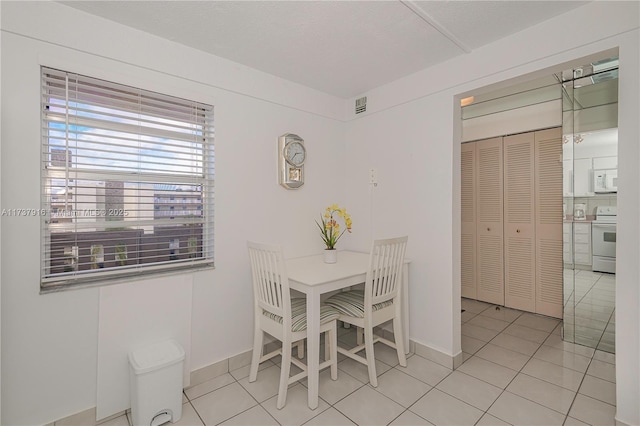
(588, 294)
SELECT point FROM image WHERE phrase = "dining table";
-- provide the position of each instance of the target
(313, 277)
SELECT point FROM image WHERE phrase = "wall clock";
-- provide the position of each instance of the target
(291, 157)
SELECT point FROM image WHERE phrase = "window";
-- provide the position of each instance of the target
(127, 181)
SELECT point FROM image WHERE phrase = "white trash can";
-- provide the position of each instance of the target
(155, 376)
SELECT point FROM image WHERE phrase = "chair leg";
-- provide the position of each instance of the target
(359, 335)
(371, 359)
(327, 345)
(399, 338)
(332, 348)
(257, 353)
(285, 367)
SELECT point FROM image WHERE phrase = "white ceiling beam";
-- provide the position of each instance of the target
(435, 24)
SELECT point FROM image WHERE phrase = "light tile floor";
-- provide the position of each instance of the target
(589, 310)
(517, 371)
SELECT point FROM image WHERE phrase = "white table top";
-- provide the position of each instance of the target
(312, 271)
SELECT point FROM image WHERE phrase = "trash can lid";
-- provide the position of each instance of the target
(155, 356)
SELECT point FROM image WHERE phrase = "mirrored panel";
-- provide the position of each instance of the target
(590, 159)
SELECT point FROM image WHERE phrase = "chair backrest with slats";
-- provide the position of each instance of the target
(384, 277)
(270, 281)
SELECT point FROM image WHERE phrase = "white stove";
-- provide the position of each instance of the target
(606, 214)
(603, 236)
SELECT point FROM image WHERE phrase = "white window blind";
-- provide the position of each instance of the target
(127, 181)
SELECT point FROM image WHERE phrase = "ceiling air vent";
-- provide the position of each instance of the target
(361, 105)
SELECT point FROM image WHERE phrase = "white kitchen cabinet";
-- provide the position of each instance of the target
(567, 238)
(583, 177)
(577, 244)
(577, 178)
(567, 178)
(600, 163)
(582, 244)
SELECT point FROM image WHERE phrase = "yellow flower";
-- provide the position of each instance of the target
(330, 229)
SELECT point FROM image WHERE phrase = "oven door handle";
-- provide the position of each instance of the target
(604, 225)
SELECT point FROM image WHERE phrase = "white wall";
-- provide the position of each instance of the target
(49, 342)
(410, 146)
(411, 134)
(628, 246)
(0, 232)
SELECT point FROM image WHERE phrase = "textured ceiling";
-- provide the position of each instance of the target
(343, 48)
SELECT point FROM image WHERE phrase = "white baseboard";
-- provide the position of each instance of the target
(437, 356)
(201, 375)
(243, 359)
(86, 417)
(621, 423)
(211, 371)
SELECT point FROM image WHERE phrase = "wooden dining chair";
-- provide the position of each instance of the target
(379, 302)
(284, 318)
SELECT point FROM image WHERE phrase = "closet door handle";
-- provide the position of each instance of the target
(518, 231)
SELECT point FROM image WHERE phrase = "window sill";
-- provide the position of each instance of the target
(139, 275)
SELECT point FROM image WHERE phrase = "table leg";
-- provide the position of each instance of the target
(405, 306)
(313, 347)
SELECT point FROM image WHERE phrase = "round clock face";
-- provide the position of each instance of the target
(295, 153)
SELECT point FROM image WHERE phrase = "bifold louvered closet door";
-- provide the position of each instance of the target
(512, 190)
(468, 214)
(489, 246)
(549, 263)
(519, 223)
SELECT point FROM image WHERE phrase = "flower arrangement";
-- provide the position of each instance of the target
(330, 228)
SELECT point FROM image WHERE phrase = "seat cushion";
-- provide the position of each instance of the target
(299, 314)
(351, 303)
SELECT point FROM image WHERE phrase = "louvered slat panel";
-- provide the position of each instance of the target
(467, 269)
(468, 215)
(490, 262)
(549, 223)
(519, 182)
(490, 244)
(519, 222)
(490, 184)
(520, 260)
(518, 246)
(467, 186)
(549, 278)
(519, 279)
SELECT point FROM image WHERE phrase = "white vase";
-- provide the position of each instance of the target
(330, 256)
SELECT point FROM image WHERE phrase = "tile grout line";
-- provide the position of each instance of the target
(405, 409)
(580, 386)
(516, 375)
(520, 372)
(577, 392)
(259, 404)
